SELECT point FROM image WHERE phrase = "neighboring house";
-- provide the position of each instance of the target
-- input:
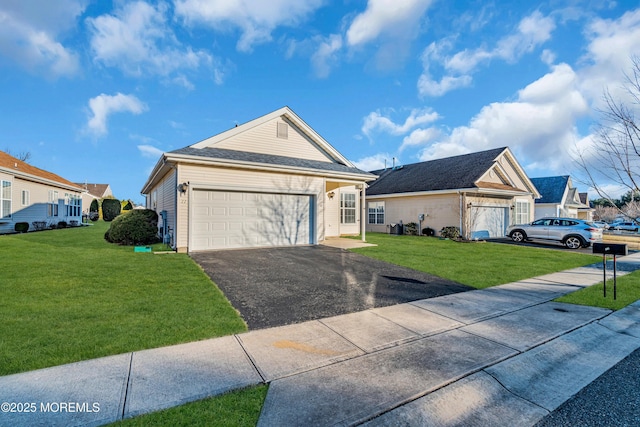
(93, 192)
(480, 193)
(32, 195)
(586, 211)
(560, 199)
(272, 181)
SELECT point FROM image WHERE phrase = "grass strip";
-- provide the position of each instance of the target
(68, 295)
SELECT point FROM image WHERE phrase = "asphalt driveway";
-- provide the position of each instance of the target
(281, 286)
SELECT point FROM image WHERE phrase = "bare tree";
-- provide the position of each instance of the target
(606, 213)
(23, 156)
(614, 156)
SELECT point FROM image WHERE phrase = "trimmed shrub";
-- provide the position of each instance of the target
(411, 228)
(62, 224)
(94, 210)
(428, 231)
(450, 232)
(21, 227)
(110, 209)
(134, 227)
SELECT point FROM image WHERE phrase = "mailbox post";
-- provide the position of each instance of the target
(609, 249)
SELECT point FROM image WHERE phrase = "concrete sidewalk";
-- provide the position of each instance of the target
(499, 356)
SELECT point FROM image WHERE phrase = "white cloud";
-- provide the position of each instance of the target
(388, 17)
(150, 151)
(325, 56)
(256, 19)
(375, 121)
(137, 39)
(375, 162)
(29, 33)
(102, 106)
(419, 137)
(532, 31)
(612, 45)
(539, 125)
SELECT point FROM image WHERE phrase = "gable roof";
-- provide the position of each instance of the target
(285, 113)
(451, 173)
(24, 170)
(205, 153)
(551, 188)
(96, 190)
(265, 160)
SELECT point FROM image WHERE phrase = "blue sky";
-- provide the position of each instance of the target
(97, 90)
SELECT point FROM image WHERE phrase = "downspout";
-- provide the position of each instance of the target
(363, 217)
(461, 204)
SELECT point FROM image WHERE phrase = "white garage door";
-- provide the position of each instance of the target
(228, 219)
(489, 222)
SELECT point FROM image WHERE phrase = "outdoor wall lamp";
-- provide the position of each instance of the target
(331, 194)
(183, 187)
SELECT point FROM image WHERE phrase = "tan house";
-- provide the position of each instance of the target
(560, 199)
(93, 192)
(480, 193)
(272, 181)
(35, 196)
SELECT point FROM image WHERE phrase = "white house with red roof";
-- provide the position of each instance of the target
(35, 196)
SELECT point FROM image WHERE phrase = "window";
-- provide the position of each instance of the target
(52, 207)
(376, 212)
(74, 204)
(522, 212)
(25, 198)
(283, 130)
(5, 199)
(347, 208)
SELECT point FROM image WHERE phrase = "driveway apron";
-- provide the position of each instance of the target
(281, 286)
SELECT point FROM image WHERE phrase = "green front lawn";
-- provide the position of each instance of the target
(68, 295)
(477, 264)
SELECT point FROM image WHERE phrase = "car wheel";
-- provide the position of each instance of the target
(573, 242)
(518, 236)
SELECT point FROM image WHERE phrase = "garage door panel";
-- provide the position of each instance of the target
(236, 220)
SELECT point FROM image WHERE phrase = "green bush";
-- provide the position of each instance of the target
(411, 228)
(94, 210)
(21, 227)
(110, 209)
(62, 224)
(450, 232)
(135, 227)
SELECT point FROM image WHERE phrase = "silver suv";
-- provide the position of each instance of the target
(572, 232)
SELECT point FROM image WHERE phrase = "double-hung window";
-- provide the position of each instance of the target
(52, 207)
(376, 212)
(522, 214)
(347, 208)
(5, 199)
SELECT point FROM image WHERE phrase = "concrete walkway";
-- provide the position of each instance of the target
(506, 355)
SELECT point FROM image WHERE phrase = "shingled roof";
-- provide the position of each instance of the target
(14, 166)
(435, 175)
(551, 188)
(266, 159)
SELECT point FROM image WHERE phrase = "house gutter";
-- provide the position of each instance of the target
(365, 176)
(37, 179)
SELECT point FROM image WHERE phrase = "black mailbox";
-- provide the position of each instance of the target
(610, 249)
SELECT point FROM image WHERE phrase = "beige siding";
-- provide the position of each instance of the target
(263, 139)
(36, 209)
(245, 180)
(332, 215)
(439, 211)
(166, 199)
